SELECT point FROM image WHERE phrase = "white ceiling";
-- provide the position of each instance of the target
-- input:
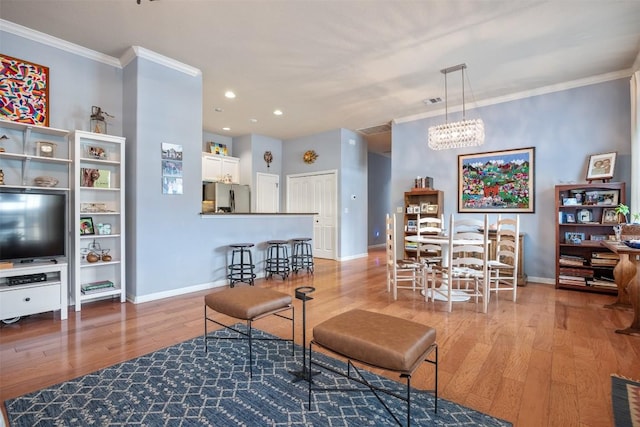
(350, 64)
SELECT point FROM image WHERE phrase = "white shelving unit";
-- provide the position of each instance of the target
(20, 161)
(104, 204)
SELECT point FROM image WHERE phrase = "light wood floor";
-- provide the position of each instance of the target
(543, 361)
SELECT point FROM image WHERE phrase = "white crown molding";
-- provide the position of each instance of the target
(522, 95)
(121, 62)
(48, 40)
(137, 51)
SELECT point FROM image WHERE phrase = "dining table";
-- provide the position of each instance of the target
(627, 277)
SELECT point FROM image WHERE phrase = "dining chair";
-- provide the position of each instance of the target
(401, 273)
(429, 254)
(503, 270)
(465, 269)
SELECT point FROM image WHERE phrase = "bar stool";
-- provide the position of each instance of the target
(302, 255)
(241, 268)
(277, 261)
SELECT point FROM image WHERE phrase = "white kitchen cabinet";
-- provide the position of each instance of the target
(215, 168)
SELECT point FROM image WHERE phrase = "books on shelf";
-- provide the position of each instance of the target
(412, 225)
(572, 260)
(97, 286)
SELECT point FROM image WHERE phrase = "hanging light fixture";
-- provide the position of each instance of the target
(465, 133)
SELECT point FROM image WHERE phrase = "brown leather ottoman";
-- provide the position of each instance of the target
(380, 341)
(249, 304)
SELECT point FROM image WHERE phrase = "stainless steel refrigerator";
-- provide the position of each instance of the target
(232, 198)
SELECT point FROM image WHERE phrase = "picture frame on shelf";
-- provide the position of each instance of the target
(45, 149)
(584, 216)
(26, 96)
(86, 226)
(570, 218)
(500, 181)
(601, 166)
(424, 206)
(574, 237)
(609, 216)
(598, 237)
(432, 209)
(94, 152)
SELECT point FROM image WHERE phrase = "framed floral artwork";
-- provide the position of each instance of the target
(500, 181)
(24, 91)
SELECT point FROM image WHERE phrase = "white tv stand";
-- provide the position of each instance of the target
(38, 297)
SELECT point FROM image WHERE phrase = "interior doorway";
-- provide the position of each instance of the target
(317, 193)
(267, 193)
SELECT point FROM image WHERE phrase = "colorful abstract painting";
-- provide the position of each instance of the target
(501, 181)
(24, 91)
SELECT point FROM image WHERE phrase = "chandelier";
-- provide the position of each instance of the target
(465, 133)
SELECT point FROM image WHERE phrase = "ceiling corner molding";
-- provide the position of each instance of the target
(55, 42)
(602, 78)
(140, 52)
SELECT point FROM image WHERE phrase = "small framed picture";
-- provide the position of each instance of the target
(86, 226)
(423, 207)
(571, 217)
(584, 216)
(96, 152)
(569, 201)
(601, 166)
(609, 216)
(598, 237)
(432, 209)
(573, 237)
(45, 149)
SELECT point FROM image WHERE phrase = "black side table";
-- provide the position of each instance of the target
(302, 293)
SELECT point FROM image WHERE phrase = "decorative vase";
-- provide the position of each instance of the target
(92, 257)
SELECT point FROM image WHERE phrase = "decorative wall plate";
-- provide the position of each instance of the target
(309, 156)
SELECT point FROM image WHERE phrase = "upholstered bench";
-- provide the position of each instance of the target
(249, 304)
(380, 341)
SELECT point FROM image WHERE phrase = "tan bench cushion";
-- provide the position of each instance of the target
(247, 302)
(376, 339)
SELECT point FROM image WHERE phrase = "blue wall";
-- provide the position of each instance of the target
(379, 190)
(564, 127)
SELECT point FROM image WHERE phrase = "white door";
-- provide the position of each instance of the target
(268, 193)
(317, 193)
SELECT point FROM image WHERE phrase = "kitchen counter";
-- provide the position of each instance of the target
(219, 214)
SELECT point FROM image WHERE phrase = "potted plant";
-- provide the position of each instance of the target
(627, 231)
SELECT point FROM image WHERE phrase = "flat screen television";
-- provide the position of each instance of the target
(32, 225)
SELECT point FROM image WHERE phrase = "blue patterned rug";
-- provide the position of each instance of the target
(184, 386)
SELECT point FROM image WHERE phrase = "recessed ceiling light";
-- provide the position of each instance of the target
(253, 120)
(226, 128)
(229, 94)
(277, 112)
(218, 110)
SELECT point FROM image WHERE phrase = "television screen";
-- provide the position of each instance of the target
(32, 225)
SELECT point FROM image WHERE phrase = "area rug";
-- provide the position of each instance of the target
(184, 386)
(625, 397)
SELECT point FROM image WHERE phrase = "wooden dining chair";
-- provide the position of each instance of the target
(429, 254)
(465, 269)
(503, 269)
(401, 273)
